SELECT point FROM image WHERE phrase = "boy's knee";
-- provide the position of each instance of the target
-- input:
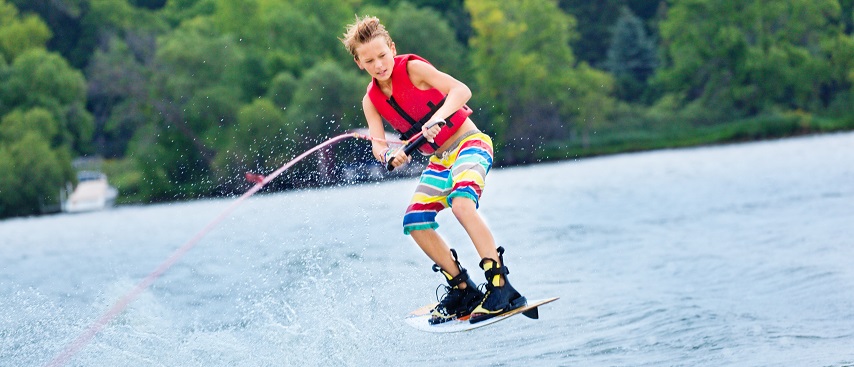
(463, 207)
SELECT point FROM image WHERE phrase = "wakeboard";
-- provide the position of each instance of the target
(420, 318)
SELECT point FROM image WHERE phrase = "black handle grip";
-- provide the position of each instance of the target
(411, 147)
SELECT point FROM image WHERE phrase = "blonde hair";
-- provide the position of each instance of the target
(362, 31)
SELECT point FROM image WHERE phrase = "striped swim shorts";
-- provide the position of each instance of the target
(461, 172)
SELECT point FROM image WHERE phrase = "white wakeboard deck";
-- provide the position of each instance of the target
(419, 319)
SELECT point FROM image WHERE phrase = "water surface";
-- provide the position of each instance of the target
(736, 255)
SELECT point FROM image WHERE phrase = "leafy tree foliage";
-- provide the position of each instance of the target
(17, 124)
(33, 160)
(64, 19)
(525, 65)
(221, 59)
(260, 141)
(596, 21)
(749, 57)
(177, 11)
(117, 96)
(41, 79)
(19, 34)
(281, 89)
(327, 101)
(41, 115)
(847, 15)
(149, 4)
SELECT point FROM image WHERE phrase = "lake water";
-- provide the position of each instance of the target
(736, 255)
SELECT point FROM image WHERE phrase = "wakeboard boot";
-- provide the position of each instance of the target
(457, 302)
(498, 298)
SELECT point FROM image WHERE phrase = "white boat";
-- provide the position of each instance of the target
(92, 193)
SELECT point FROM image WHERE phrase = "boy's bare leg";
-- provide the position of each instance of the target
(466, 212)
(434, 246)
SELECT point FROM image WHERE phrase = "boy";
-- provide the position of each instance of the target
(413, 96)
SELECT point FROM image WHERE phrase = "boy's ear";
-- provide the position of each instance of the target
(356, 59)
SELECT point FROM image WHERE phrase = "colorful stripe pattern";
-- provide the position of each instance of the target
(459, 173)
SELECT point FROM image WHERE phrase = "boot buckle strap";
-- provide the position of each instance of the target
(462, 277)
(496, 271)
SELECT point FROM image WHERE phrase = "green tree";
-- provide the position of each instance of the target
(19, 34)
(839, 93)
(18, 123)
(155, 162)
(31, 173)
(149, 4)
(177, 11)
(327, 101)
(80, 26)
(284, 35)
(192, 64)
(221, 57)
(524, 65)
(596, 21)
(42, 116)
(745, 58)
(632, 56)
(118, 96)
(63, 18)
(261, 140)
(847, 15)
(282, 88)
(40, 79)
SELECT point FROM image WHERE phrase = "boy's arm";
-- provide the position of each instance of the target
(375, 128)
(425, 76)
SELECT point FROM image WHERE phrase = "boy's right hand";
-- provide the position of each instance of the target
(399, 158)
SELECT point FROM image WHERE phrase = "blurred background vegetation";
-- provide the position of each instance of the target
(181, 97)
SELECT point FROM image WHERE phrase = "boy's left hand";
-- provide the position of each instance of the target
(432, 129)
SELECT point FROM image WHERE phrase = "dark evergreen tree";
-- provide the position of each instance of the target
(632, 56)
(596, 20)
(847, 7)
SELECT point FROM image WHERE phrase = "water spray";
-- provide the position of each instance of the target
(260, 181)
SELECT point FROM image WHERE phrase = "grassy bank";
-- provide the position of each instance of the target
(664, 136)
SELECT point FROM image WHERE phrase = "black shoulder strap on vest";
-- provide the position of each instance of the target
(417, 124)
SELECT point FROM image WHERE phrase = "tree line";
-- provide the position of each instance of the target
(183, 96)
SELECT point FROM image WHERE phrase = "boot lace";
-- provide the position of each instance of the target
(450, 300)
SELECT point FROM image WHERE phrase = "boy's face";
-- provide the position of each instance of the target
(377, 58)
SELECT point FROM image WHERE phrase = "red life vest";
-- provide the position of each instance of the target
(409, 108)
